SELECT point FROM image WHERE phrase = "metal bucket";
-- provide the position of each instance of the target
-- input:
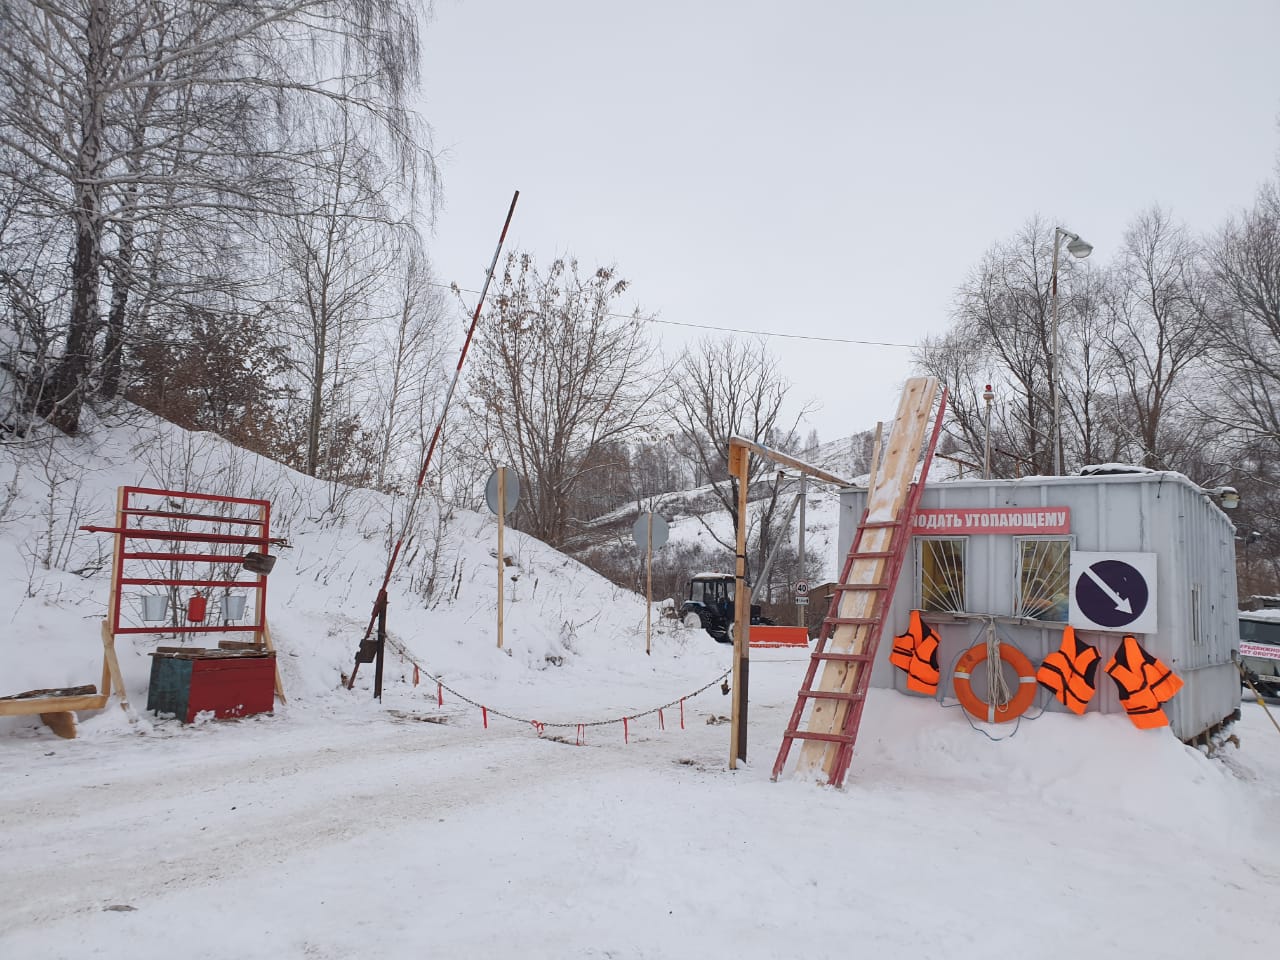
(259, 563)
(155, 606)
(233, 607)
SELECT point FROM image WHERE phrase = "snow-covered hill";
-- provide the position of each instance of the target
(341, 827)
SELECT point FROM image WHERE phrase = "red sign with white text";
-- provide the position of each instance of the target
(995, 520)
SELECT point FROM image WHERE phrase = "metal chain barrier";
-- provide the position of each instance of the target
(538, 725)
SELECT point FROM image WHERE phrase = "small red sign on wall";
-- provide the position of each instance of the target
(1010, 521)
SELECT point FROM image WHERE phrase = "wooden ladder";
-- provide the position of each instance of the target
(859, 603)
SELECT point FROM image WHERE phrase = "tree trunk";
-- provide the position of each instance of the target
(61, 398)
(121, 281)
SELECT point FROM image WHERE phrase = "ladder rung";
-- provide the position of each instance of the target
(832, 695)
(880, 524)
(852, 621)
(828, 737)
(843, 657)
(871, 554)
(860, 586)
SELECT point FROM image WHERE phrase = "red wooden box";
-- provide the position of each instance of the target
(186, 684)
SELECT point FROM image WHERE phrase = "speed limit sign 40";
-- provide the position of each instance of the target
(802, 588)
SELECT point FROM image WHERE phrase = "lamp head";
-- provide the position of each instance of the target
(1228, 498)
(1079, 248)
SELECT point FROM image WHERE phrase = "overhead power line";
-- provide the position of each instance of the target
(722, 329)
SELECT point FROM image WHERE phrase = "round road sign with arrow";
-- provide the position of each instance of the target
(1114, 591)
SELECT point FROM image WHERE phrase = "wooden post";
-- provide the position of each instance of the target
(740, 450)
(875, 456)
(110, 665)
(738, 460)
(271, 647)
(263, 636)
(502, 508)
(111, 671)
(648, 584)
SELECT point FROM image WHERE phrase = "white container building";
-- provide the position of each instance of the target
(1032, 554)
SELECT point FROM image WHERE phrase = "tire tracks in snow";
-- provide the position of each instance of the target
(171, 820)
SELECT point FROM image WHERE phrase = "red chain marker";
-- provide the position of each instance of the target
(682, 713)
(484, 712)
(626, 736)
(661, 724)
(415, 674)
(439, 694)
(538, 727)
(582, 734)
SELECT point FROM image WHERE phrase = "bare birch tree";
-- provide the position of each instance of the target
(131, 112)
(1245, 304)
(556, 377)
(1157, 332)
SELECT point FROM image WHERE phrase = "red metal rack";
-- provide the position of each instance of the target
(203, 538)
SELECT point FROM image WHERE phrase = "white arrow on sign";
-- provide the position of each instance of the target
(1122, 603)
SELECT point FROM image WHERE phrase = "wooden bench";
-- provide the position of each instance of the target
(56, 707)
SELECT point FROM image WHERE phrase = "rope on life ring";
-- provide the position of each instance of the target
(995, 711)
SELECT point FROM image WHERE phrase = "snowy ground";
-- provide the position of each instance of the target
(340, 827)
(340, 830)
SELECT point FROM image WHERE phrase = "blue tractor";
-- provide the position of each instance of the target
(710, 606)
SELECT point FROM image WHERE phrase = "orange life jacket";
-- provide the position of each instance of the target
(1068, 673)
(1144, 683)
(916, 652)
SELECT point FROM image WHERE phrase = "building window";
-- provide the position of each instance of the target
(1044, 578)
(942, 574)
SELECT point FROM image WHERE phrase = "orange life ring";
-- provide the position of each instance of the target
(979, 708)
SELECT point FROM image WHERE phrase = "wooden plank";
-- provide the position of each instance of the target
(786, 458)
(271, 647)
(113, 671)
(25, 708)
(87, 690)
(63, 723)
(884, 502)
(241, 651)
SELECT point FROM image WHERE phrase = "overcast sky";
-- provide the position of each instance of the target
(834, 169)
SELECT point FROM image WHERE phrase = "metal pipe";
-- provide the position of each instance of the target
(405, 525)
(1055, 434)
(987, 395)
(802, 610)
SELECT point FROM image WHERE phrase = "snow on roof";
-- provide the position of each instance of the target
(1261, 616)
(1102, 469)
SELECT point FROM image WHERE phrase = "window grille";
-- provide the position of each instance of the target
(1044, 574)
(942, 574)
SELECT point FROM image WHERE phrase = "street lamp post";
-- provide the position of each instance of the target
(988, 395)
(1080, 249)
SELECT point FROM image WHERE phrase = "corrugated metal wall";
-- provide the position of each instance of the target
(1160, 513)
